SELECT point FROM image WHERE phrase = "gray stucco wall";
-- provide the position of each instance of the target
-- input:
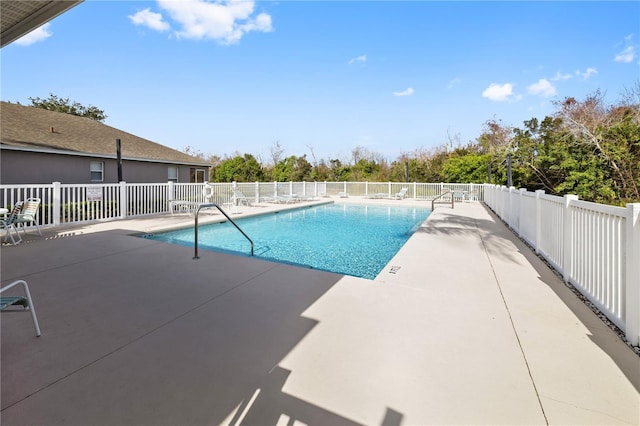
(20, 167)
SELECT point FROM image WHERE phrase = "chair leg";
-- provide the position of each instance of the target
(31, 308)
(10, 235)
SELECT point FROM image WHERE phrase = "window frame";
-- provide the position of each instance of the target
(176, 169)
(92, 171)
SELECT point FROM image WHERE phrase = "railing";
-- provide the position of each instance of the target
(77, 203)
(433, 202)
(595, 247)
(195, 228)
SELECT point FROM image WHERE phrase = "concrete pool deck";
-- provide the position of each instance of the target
(465, 326)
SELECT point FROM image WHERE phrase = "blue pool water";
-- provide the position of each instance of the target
(348, 239)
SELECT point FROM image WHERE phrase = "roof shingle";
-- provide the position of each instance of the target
(41, 130)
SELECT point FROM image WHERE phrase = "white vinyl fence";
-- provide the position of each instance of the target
(595, 247)
(76, 203)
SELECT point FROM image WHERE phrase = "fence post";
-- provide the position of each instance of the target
(567, 237)
(257, 191)
(123, 200)
(510, 221)
(366, 188)
(171, 191)
(538, 234)
(632, 317)
(57, 204)
(521, 213)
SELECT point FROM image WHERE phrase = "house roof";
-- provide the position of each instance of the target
(34, 129)
(19, 17)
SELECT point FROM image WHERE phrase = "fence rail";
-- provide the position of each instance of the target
(71, 203)
(595, 247)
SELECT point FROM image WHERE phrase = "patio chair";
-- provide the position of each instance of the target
(9, 224)
(25, 302)
(239, 198)
(402, 194)
(29, 214)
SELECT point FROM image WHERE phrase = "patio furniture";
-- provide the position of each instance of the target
(29, 214)
(402, 194)
(9, 224)
(239, 198)
(377, 195)
(180, 206)
(25, 302)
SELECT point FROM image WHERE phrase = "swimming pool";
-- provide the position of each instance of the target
(344, 238)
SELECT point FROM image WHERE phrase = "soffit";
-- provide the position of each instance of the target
(19, 17)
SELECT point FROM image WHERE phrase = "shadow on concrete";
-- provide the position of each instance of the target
(137, 332)
(269, 405)
(456, 225)
(602, 333)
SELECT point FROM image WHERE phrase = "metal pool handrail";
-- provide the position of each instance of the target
(195, 256)
(433, 202)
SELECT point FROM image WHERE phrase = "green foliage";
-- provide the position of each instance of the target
(292, 168)
(469, 168)
(239, 169)
(54, 103)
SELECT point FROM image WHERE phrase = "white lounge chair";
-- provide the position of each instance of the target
(239, 198)
(402, 194)
(25, 302)
(378, 195)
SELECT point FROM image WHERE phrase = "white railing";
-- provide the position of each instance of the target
(595, 247)
(77, 203)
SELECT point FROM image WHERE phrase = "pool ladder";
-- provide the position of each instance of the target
(195, 229)
(433, 202)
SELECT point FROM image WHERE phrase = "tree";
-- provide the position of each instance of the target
(240, 169)
(292, 168)
(277, 151)
(610, 133)
(54, 103)
(467, 167)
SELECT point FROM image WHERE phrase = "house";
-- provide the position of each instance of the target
(41, 146)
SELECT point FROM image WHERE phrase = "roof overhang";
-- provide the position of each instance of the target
(19, 17)
(97, 155)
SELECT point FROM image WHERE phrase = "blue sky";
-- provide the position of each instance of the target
(328, 76)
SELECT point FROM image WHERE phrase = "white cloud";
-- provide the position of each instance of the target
(226, 21)
(453, 83)
(586, 73)
(498, 92)
(559, 77)
(627, 55)
(150, 19)
(35, 36)
(542, 87)
(408, 92)
(361, 58)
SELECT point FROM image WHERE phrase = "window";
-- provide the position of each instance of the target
(196, 175)
(97, 171)
(172, 174)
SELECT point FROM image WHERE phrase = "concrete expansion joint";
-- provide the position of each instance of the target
(513, 327)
